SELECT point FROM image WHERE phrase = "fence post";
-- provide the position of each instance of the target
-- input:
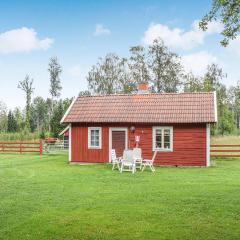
(41, 147)
(20, 146)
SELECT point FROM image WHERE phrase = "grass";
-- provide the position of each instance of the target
(231, 139)
(46, 198)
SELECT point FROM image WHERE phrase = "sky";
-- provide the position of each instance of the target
(79, 32)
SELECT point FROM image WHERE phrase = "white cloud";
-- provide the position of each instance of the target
(197, 62)
(101, 30)
(179, 38)
(234, 45)
(22, 40)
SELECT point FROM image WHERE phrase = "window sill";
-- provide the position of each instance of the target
(162, 150)
(94, 148)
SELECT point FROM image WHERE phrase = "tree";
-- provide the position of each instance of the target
(193, 83)
(138, 65)
(59, 110)
(84, 93)
(212, 82)
(108, 75)
(234, 102)
(27, 86)
(226, 122)
(228, 12)
(3, 117)
(165, 67)
(55, 70)
(19, 119)
(212, 78)
(39, 113)
(12, 124)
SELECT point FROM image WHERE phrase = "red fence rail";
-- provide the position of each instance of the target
(227, 149)
(21, 147)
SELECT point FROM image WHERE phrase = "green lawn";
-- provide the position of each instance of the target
(46, 198)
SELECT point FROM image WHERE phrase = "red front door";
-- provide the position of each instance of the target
(118, 141)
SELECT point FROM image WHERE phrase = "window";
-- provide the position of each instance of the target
(95, 137)
(162, 138)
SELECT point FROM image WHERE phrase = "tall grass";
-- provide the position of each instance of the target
(24, 135)
(227, 139)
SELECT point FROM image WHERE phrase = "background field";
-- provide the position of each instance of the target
(225, 140)
(46, 198)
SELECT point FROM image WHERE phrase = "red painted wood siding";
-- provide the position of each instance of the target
(189, 144)
(80, 151)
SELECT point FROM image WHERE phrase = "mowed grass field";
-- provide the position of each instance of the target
(46, 198)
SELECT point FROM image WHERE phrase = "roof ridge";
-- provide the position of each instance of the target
(144, 94)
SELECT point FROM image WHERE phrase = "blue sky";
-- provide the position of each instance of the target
(78, 32)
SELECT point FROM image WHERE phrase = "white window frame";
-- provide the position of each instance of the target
(89, 137)
(154, 138)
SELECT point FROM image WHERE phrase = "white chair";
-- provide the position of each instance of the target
(149, 163)
(115, 160)
(137, 155)
(128, 162)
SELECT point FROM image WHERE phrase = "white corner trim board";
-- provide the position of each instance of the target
(215, 106)
(68, 110)
(208, 163)
(70, 143)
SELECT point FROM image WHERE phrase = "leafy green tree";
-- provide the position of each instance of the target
(59, 110)
(108, 75)
(213, 77)
(55, 71)
(228, 13)
(3, 117)
(138, 65)
(39, 113)
(193, 83)
(18, 115)
(127, 83)
(12, 123)
(226, 122)
(165, 67)
(27, 86)
(212, 82)
(84, 93)
(234, 102)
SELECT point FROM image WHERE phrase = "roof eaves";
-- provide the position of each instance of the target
(68, 110)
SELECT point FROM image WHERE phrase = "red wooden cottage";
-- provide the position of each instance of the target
(175, 124)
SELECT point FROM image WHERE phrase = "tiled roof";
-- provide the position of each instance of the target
(144, 108)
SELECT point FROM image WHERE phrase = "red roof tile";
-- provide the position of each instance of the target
(144, 108)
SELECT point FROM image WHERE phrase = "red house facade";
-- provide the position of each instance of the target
(177, 125)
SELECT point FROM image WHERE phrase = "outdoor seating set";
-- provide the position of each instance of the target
(131, 161)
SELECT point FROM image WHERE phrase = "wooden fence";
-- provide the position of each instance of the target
(225, 150)
(21, 147)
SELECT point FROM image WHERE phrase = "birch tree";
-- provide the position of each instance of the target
(55, 71)
(165, 68)
(27, 86)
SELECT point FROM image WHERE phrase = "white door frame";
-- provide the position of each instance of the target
(111, 129)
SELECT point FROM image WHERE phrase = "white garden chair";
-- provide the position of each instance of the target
(115, 160)
(128, 162)
(137, 155)
(149, 162)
